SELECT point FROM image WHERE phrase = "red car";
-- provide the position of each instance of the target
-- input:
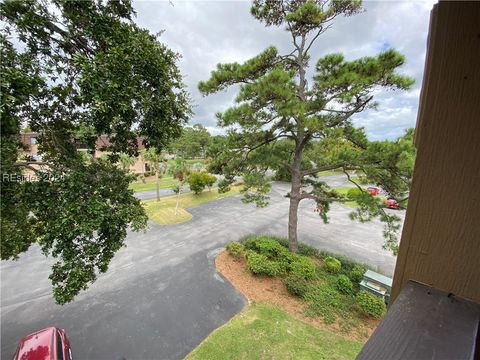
(373, 190)
(392, 203)
(47, 344)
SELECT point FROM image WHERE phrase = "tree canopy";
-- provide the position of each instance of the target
(192, 143)
(78, 70)
(303, 125)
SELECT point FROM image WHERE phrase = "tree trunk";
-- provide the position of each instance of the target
(178, 197)
(292, 225)
(294, 200)
(296, 169)
(176, 206)
(157, 180)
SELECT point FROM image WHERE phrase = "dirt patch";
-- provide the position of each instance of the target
(273, 291)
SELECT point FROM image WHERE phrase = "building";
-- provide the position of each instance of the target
(29, 140)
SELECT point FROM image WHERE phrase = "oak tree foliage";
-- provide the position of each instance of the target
(78, 70)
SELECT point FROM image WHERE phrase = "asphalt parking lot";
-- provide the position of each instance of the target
(161, 296)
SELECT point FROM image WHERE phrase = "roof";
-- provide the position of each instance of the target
(104, 141)
(425, 323)
(100, 142)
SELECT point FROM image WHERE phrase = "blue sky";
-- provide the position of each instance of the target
(209, 32)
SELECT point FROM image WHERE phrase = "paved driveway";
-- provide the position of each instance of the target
(336, 180)
(161, 295)
(152, 194)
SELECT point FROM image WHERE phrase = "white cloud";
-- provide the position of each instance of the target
(211, 32)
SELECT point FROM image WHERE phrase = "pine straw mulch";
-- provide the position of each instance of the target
(273, 291)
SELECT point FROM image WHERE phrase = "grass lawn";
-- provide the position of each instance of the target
(343, 191)
(163, 211)
(263, 331)
(165, 182)
(355, 178)
(329, 172)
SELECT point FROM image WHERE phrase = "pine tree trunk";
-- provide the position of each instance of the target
(296, 169)
(292, 225)
(294, 200)
(157, 180)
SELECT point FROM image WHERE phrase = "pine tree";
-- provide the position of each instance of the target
(276, 101)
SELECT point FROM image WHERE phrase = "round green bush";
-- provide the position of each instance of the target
(209, 179)
(296, 285)
(302, 267)
(332, 265)
(235, 249)
(196, 182)
(344, 285)
(265, 245)
(354, 192)
(259, 264)
(270, 248)
(356, 274)
(370, 304)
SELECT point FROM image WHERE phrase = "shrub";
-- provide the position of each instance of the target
(324, 301)
(209, 180)
(250, 242)
(344, 285)
(356, 274)
(307, 250)
(302, 267)
(265, 245)
(282, 241)
(303, 249)
(284, 261)
(196, 182)
(332, 264)
(270, 248)
(354, 193)
(347, 264)
(235, 249)
(259, 264)
(370, 304)
(296, 285)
